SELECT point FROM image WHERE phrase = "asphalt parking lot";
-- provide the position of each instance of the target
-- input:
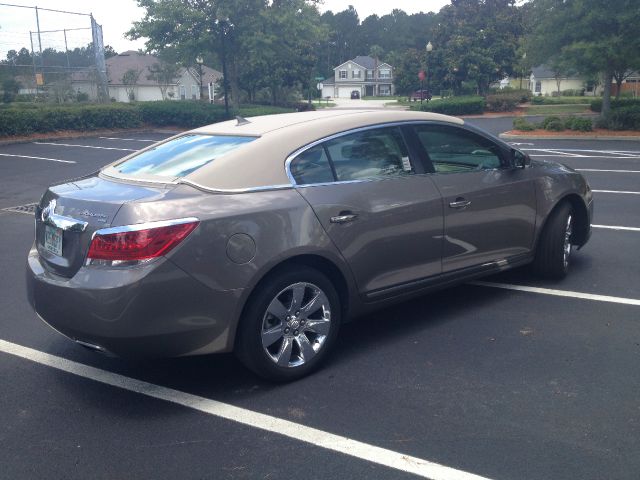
(511, 378)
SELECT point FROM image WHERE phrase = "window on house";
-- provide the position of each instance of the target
(369, 74)
(343, 74)
(385, 90)
(385, 73)
(538, 86)
(183, 92)
(194, 92)
(356, 74)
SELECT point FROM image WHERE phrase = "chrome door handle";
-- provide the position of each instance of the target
(344, 218)
(460, 204)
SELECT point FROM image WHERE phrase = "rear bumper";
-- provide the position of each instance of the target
(155, 310)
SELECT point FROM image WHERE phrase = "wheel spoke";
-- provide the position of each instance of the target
(318, 301)
(284, 355)
(306, 350)
(298, 295)
(277, 309)
(320, 326)
(271, 336)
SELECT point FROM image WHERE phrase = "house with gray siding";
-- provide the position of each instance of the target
(361, 75)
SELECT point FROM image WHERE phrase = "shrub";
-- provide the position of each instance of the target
(32, 118)
(453, 106)
(580, 124)
(596, 105)
(523, 125)
(553, 124)
(573, 93)
(624, 118)
(502, 102)
(23, 121)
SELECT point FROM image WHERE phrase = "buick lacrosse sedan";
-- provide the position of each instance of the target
(262, 235)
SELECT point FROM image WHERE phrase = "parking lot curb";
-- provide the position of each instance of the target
(92, 133)
(508, 136)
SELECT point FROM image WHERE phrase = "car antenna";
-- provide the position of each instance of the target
(241, 121)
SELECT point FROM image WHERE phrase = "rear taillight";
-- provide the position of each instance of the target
(136, 243)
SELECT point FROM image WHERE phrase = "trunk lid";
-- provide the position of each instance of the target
(73, 211)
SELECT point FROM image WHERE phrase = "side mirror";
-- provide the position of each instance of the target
(519, 159)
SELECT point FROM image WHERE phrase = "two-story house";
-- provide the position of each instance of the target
(361, 75)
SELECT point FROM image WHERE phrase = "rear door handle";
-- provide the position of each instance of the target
(344, 217)
(460, 203)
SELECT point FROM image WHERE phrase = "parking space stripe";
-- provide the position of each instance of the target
(85, 146)
(313, 436)
(616, 191)
(36, 158)
(611, 171)
(129, 139)
(558, 293)
(615, 227)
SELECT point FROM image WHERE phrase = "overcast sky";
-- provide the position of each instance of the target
(116, 17)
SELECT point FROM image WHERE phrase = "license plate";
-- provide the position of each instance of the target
(53, 240)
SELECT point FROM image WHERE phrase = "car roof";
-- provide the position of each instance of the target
(260, 164)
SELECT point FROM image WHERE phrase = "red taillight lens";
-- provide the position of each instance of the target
(139, 244)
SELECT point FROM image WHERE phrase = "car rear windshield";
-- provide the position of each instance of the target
(180, 156)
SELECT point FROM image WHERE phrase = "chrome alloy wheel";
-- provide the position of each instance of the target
(296, 324)
(567, 242)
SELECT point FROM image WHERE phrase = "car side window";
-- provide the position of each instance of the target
(311, 166)
(376, 153)
(453, 150)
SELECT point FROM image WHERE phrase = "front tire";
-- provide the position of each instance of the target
(553, 254)
(289, 325)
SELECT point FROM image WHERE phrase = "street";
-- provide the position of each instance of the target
(508, 378)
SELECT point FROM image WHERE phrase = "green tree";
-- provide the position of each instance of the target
(164, 73)
(476, 40)
(594, 36)
(130, 79)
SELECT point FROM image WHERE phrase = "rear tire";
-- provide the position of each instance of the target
(290, 324)
(553, 254)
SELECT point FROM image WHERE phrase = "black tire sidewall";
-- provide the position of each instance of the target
(549, 259)
(249, 346)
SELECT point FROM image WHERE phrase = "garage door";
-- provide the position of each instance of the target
(345, 92)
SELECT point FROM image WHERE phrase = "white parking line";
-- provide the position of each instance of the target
(85, 146)
(616, 191)
(36, 158)
(313, 436)
(128, 139)
(599, 170)
(615, 227)
(558, 293)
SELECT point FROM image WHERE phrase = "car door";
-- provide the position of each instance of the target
(489, 205)
(385, 219)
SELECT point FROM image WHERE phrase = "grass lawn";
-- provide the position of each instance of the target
(555, 109)
(322, 104)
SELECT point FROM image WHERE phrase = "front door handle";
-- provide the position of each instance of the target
(344, 217)
(460, 203)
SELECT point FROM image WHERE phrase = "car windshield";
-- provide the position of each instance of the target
(181, 156)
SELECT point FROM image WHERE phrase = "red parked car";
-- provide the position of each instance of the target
(421, 95)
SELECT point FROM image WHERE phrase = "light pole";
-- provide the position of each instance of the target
(200, 61)
(524, 57)
(429, 49)
(224, 23)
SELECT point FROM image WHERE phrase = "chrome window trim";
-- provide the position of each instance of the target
(143, 226)
(289, 159)
(282, 186)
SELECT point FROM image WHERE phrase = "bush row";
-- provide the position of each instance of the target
(541, 100)
(555, 124)
(622, 118)
(41, 119)
(453, 106)
(18, 121)
(596, 104)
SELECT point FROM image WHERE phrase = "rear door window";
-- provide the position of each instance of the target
(180, 156)
(370, 154)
